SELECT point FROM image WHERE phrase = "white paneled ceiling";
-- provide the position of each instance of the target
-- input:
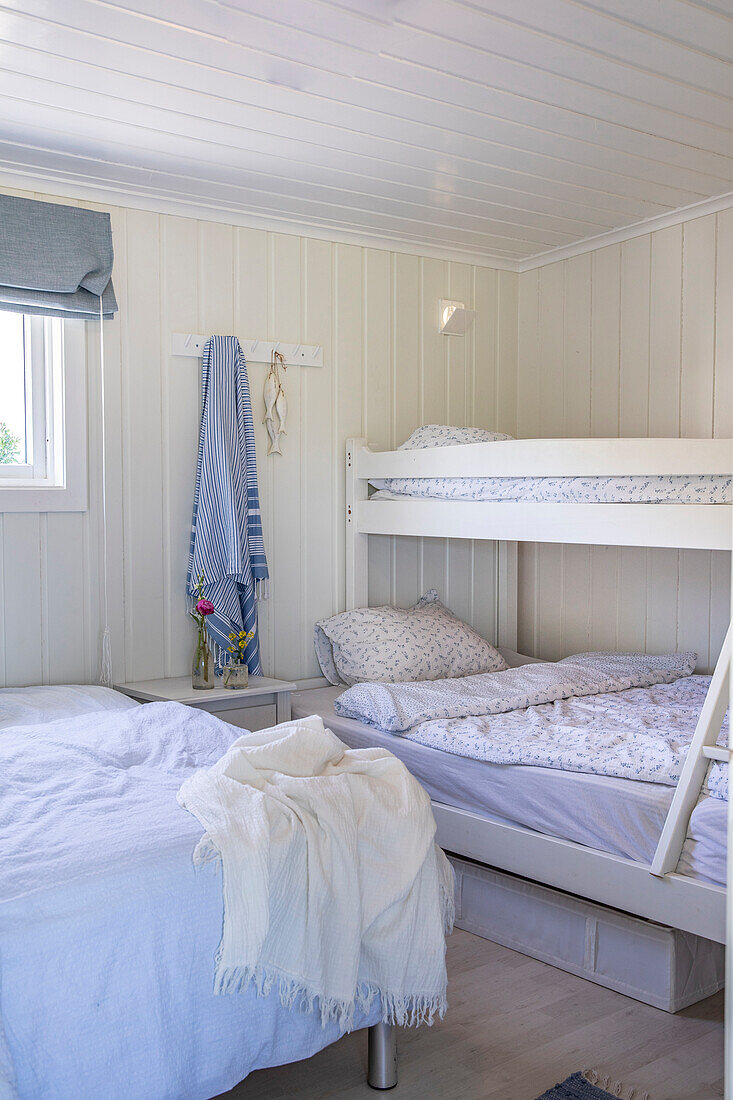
(494, 129)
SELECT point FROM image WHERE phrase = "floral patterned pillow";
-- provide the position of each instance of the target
(445, 435)
(396, 644)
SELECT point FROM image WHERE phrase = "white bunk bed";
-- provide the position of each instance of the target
(653, 891)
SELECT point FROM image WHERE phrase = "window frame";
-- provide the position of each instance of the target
(56, 478)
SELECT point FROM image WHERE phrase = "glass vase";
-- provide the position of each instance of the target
(236, 675)
(202, 669)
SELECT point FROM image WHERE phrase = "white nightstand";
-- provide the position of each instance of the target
(263, 703)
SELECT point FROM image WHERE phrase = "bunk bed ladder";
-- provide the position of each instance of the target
(703, 749)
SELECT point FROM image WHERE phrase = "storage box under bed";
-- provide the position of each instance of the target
(650, 962)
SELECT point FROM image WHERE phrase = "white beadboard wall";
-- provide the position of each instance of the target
(387, 371)
(634, 339)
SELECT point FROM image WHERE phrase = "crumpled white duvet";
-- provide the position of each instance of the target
(333, 885)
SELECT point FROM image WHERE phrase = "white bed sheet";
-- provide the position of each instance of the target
(108, 934)
(662, 489)
(620, 816)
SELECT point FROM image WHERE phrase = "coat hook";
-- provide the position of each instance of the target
(189, 338)
(254, 346)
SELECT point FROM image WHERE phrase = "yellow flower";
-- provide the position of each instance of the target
(242, 634)
(231, 649)
(232, 637)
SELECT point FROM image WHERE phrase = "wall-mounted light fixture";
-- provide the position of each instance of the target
(453, 318)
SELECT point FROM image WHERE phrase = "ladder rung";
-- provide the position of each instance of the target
(716, 752)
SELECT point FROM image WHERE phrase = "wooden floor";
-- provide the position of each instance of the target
(514, 1027)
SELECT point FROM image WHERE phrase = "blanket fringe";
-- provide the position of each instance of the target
(404, 1010)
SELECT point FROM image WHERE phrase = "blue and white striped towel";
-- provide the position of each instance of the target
(226, 529)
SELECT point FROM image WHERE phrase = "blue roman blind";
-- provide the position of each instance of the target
(55, 260)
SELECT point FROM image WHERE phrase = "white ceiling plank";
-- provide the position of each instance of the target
(131, 89)
(567, 179)
(607, 38)
(626, 171)
(547, 63)
(157, 191)
(169, 81)
(491, 115)
(675, 20)
(253, 166)
(505, 128)
(322, 211)
(256, 55)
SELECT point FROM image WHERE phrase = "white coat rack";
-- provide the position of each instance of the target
(255, 351)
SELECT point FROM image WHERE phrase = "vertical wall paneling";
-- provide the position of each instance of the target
(386, 371)
(180, 420)
(379, 371)
(252, 292)
(287, 592)
(723, 384)
(646, 351)
(318, 518)
(406, 403)
(634, 339)
(347, 396)
(505, 403)
(145, 615)
(24, 625)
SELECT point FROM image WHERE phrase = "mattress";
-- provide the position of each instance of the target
(700, 489)
(621, 816)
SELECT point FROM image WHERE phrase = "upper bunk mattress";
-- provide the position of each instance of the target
(621, 816)
(700, 489)
(667, 489)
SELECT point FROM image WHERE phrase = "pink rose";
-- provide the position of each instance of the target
(205, 607)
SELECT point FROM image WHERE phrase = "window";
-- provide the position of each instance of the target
(42, 419)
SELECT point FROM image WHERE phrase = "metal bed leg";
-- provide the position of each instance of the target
(382, 1069)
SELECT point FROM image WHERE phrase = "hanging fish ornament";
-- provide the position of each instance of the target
(281, 408)
(270, 396)
(273, 447)
(275, 403)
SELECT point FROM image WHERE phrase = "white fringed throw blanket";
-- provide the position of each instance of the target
(334, 888)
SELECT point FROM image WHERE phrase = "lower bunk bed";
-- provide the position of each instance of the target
(527, 817)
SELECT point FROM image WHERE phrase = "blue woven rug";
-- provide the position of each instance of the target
(576, 1088)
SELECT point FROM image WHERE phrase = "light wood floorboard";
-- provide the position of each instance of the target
(514, 1027)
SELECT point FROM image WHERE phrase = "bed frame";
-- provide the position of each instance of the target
(655, 890)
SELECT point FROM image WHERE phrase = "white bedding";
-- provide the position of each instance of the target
(108, 934)
(617, 714)
(699, 489)
(620, 816)
(30, 706)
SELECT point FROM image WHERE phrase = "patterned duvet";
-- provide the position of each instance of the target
(701, 489)
(631, 732)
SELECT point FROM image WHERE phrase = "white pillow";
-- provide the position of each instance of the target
(445, 435)
(396, 644)
(32, 706)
